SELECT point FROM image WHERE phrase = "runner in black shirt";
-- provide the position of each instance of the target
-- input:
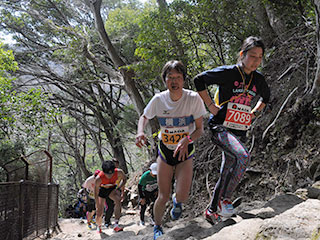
(231, 117)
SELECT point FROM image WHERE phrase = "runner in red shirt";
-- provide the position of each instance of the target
(106, 189)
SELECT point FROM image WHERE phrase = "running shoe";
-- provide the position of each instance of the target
(212, 217)
(152, 222)
(157, 232)
(99, 229)
(142, 223)
(176, 210)
(225, 208)
(118, 229)
(89, 226)
(107, 224)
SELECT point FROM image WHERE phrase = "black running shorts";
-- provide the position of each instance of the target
(105, 192)
(91, 204)
(167, 155)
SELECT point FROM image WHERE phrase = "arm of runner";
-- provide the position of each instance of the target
(140, 137)
(96, 188)
(209, 102)
(258, 108)
(182, 146)
(140, 191)
(123, 181)
(122, 184)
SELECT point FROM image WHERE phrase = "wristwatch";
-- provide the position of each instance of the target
(256, 113)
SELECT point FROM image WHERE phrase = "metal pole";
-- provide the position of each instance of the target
(21, 211)
(48, 210)
(50, 165)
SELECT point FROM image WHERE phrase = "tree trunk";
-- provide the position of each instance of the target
(316, 82)
(266, 31)
(276, 22)
(127, 74)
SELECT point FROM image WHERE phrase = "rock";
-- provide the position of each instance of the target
(245, 230)
(314, 170)
(302, 193)
(316, 185)
(313, 193)
(299, 222)
(131, 212)
(283, 217)
(134, 199)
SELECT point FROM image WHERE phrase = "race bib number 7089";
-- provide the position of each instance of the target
(238, 116)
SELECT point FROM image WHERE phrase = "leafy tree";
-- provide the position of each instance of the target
(58, 55)
(23, 113)
(209, 32)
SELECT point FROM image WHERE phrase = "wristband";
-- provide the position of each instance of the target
(189, 138)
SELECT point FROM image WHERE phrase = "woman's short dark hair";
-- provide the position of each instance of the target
(108, 167)
(173, 64)
(251, 42)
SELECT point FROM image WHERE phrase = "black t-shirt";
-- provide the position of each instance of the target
(231, 88)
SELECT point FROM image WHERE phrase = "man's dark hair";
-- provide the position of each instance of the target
(108, 167)
(173, 64)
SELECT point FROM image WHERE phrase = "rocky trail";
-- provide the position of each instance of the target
(287, 216)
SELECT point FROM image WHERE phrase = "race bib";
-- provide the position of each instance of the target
(171, 137)
(151, 187)
(238, 116)
(91, 195)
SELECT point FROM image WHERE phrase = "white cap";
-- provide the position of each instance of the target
(153, 168)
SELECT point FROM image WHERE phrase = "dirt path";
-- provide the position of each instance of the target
(283, 217)
(77, 228)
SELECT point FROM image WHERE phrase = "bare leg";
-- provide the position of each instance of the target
(116, 197)
(100, 207)
(90, 216)
(183, 177)
(164, 176)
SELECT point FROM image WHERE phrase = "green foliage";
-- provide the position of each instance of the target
(26, 112)
(203, 34)
(122, 27)
(293, 12)
(154, 44)
(22, 113)
(8, 152)
(7, 62)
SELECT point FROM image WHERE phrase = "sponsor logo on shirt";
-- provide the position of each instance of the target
(166, 112)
